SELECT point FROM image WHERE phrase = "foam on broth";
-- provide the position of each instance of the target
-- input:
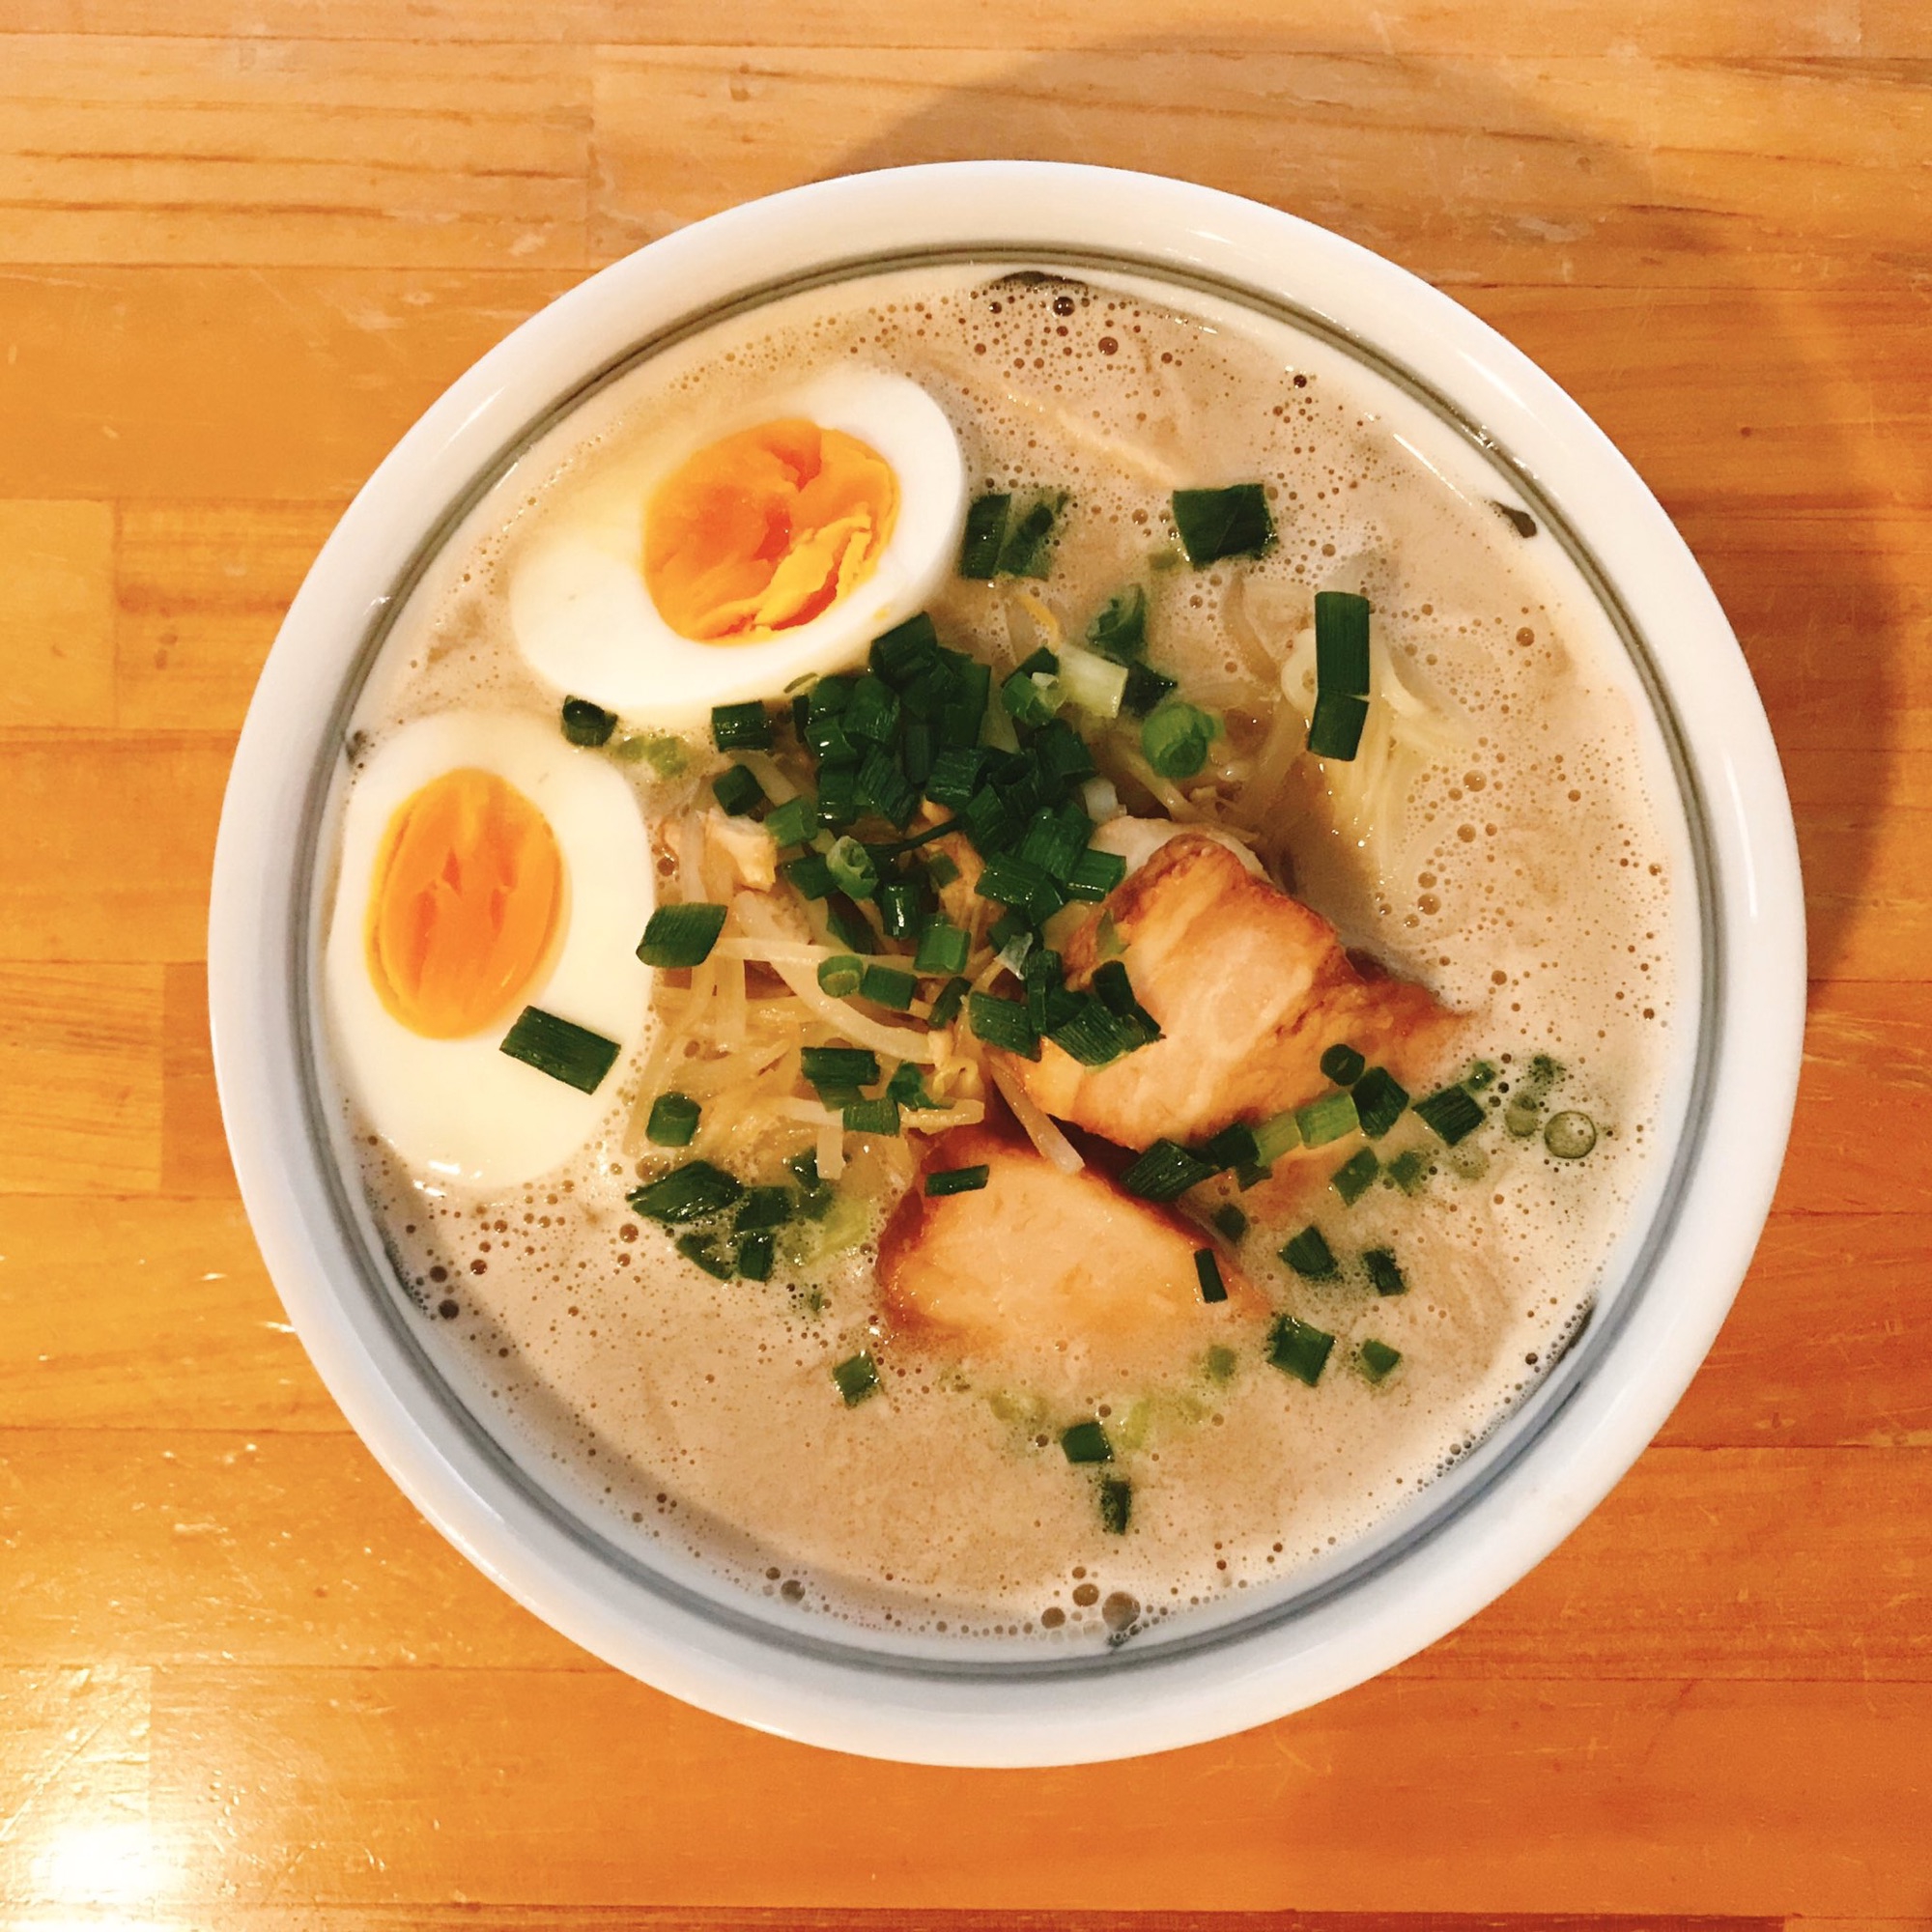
(1528, 869)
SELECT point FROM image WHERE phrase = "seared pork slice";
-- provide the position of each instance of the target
(1249, 987)
(1040, 1263)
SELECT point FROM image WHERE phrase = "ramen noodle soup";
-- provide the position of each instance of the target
(1000, 956)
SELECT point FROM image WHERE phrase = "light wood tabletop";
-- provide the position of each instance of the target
(245, 241)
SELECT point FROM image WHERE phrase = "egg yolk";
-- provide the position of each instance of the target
(763, 531)
(467, 887)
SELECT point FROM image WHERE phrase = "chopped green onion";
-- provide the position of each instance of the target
(1341, 643)
(1409, 1171)
(1208, 1271)
(1175, 739)
(830, 696)
(1298, 1349)
(673, 1121)
(1146, 689)
(1095, 874)
(956, 1181)
(873, 713)
(898, 908)
(763, 1207)
(1117, 1504)
(1384, 1272)
(1326, 1120)
(848, 924)
(1355, 1176)
(1096, 1037)
(804, 1167)
(945, 1008)
(1310, 1256)
(1279, 1134)
(752, 1260)
(741, 728)
(1335, 730)
(857, 1377)
(1251, 1174)
(943, 947)
(1015, 882)
(1120, 631)
(1031, 697)
(693, 1192)
(1481, 1076)
(587, 725)
(839, 1065)
(1452, 1114)
(1378, 1359)
(986, 536)
(1115, 992)
(1059, 753)
(838, 794)
(908, 1088)
(899, 654)
(872, 1116)
(807, 875)
(1001, 1023)
(681, 935)
(793, 823)
(1030, 538)
(886, 788)
(939, 872)
(738, 790)
(1379, 1101)
(666, 756)
(1097, 685)
(1214, 524)
(842, 976)
(1165, 1171)
(1230, 1221)
(1570, 1135)
(1086, 1442)
(1235, 1146)
(567, 1052)
(706, 1253)
(1343, 1064)
(852, 869)
(889, 986)
(824, 736)
(1047, 1000)
(1054, 839)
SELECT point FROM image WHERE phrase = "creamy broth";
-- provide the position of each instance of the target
(1514, 848)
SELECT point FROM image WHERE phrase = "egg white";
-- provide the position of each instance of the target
(461, 1110)
(585, 622)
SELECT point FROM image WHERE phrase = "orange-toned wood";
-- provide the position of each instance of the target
(243, 242)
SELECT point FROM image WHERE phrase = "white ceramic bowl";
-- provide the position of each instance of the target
(1477, 1529)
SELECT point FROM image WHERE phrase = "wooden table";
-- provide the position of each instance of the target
(245, 241)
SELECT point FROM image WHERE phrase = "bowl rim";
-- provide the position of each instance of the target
(1590, 1428)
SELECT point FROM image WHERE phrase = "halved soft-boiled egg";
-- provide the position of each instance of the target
(493, 884)
(774, 546)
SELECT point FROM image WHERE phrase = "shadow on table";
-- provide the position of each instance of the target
(1644, 311)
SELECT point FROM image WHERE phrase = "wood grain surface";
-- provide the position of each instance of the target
(243, 242)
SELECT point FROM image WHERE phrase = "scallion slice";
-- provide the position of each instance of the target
(1235, 1146)
(824, 736)
(1013, 881)
(741, 728)
(1086, 1442)
(1276, 1136)
(1120, 631)
(1054, 839)
(793, 823)
(951, 997)
(673, 1121)
(763, 1207)
(1165, 1171)
(1326, 1120)
(1310, 1256)
(1341, 643)
(807, 875)
(1343, 1064)
(941, 871)
(1094, 1035)
(1355, 1176)
(842, 976)
(693, 1192)
(1335, 730)
(889, 986)
(1117, 1504)
(872, 1116)
(1095, 874)
(567, 1052)
(753, 1258)
(838, 793)
(1146, 689)
(873, 713)
(943, 947)
(1379, 1101)
(1208, 1271)
(857, 1377)
(1115, 992)
(1452, 1114)
(898, 908)
(839, 1065)
(1379, 1360)
(681, 935)
(1175, 739)
(1408, 1170)
(985, 535)
(956, 1181)
(884, 788)
(1001, 1023)
(1031, 697)
(1384, 1272)
(1298, 1349)
(714, 1260)
(899, 654)
(738, 790)
(585, 724)
(852, 867)
(1092, 683)
(1029, 538)
(956, 775)
(1230, 1221)
(908, 1088)
(1214, 524)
